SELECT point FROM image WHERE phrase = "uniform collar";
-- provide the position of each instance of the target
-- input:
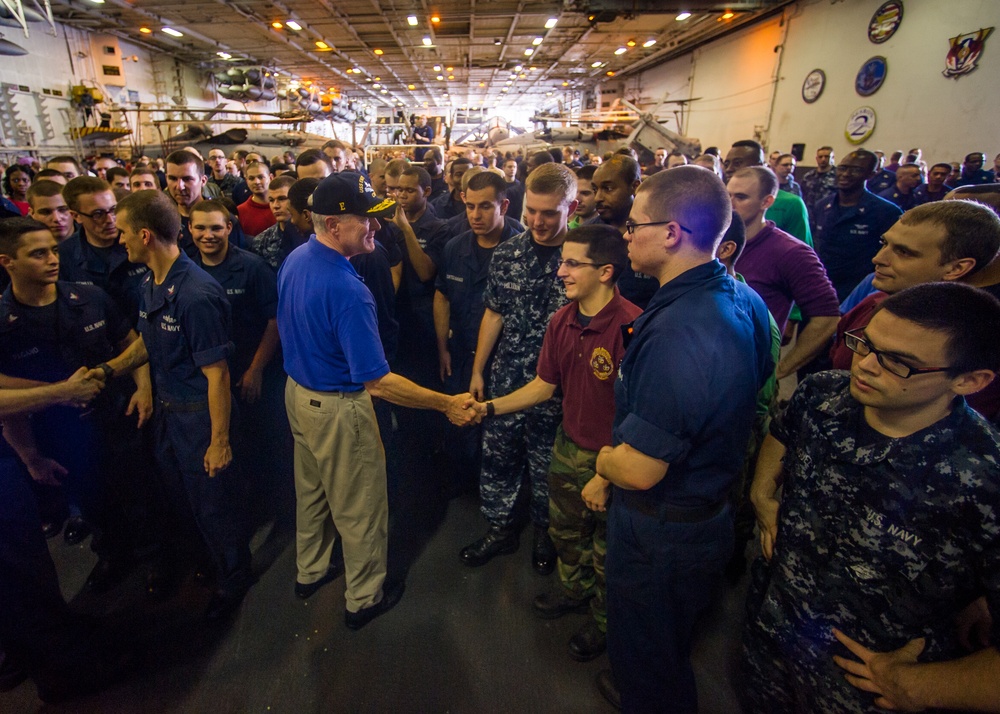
(603, 319)
(168, 291)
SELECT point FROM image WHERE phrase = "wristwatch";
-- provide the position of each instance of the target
(108, 370)
(491, 410)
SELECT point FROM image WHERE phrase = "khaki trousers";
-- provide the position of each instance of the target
(340, 488)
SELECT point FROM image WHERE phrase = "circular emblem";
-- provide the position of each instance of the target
(861, 125)
(871, 76)
(813, 86)
(885, 21)
(601, 363)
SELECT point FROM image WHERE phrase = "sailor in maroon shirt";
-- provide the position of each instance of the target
(255, 213)
(939, 241)
(581, 353)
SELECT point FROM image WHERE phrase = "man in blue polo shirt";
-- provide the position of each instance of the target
(335, 365)
(685, 402)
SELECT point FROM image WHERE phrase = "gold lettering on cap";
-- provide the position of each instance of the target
(343, 206)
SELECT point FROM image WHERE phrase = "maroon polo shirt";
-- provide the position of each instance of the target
(584, 362)
(255, 218)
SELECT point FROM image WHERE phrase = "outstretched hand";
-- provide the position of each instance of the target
(461, 410)
(880, 672)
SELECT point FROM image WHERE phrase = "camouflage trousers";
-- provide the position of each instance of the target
(515, 447)
(579, 534)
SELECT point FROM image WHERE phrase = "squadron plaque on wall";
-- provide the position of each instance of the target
(860, 125)
(871, 76)
(813, 86)
(885, 21)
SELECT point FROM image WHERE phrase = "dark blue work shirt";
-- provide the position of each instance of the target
(905, 201)
(979, 176)
(186, 324)
(687, 387)
(881, 181)
(462, 280)
(925, 195)
(375, 271)
(446, 206)
(82, 328)
(515, 194)
(236, 237)
(432, 235)
(252, 290)
(108, 269)
(848, 238)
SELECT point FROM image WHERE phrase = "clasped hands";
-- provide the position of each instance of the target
(462, 410)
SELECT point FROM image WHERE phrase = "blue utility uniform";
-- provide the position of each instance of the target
(107, 268)
(905, 201)
(884, 179)
(185, 323)
(848, 238)
(686, 394)
(925, 195)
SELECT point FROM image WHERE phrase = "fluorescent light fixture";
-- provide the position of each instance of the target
(595, 65)
(518, 68)
(412, 19)
(411, 86)
(145, 31)
(437, 68)
(379, 52)
(440, 77)
(537, 41)
(276, 25)
(551, 22)
(385, 91)
(451, 76)
(728, 15)
(528, 52)
(621, 50)
(224, 55)
(97, 2)
(683, 16)
(322, 45)
(435, 19)
(649, 43)
(504, 89)
(427, 42)
(376, 86)
(482, 84)
(172, 32)
(532, 69)
(293, 25)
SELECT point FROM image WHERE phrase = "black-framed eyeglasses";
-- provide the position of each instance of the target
(630, 226)
(571, 264)
(851, 169)
(857, 344)
(100, 214)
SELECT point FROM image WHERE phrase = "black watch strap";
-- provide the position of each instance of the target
(108, 370)
(491, 410)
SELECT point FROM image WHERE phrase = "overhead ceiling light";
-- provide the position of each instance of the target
(427, 42)
(435, 19)
(379, 52)
(532, 69)
(145, 31)
(376, 85)
(437, 68)
(276, 25)
(172, 32)
(595, 65)
(649, 43)
(528, 52)
(412, 19)
(621, 50)
(97, 2)
(551, 22)
(610, 73)
(548, 94)
(504, 89)
(411, 86)
(508, 82)
(224, 55)
(440, 77)
(523, 76)
(683, 16)
(482, 84)
(497, 41)
(450, 69)
(517, 68)
(451, 76)
(630, 43)
(728, 15)
(537, 41)
(293, 25)
(565, 84)
(378, 79)
(385, 91)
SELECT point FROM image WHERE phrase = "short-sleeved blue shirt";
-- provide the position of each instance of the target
(687, 387)
(185, 323)
(327, 322)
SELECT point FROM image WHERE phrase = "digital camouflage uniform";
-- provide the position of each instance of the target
(817, 186)
(526, 294)
(885, 539)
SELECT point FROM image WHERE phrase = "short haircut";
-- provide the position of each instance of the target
(487, 179)
(145, 170)
(279, 182)
(13, 229)
(432, 153)
(765, 178)
(471, 174)
(824, 148)
(212, 205)
(940, 166)
(82, 186)
(277, 166)
(336, 144)
(377, 164)
(556, 153)
(184, 157)
(867, 156)
(420, 172)
(623, 166)
(396, 167)
(976, 153)
(971, 229)
(542, 157)
(66, 159)
(753, 146)
(736, 233)
(154, 211)
(312, 156)
(695, 198)
(46, 173)
(552, 179)
(300, 192)
(586, 172)
(968, 316)
(241, 153)
(792, 157)
(462, 161)
(44, 188)
(116, 171)
(258, 165)
(605, 246)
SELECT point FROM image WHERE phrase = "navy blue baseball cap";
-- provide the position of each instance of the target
(349, 193)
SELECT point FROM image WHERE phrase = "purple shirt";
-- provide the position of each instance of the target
(783, 269)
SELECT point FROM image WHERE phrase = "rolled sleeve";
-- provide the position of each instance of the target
(651, 439)
(205, 323)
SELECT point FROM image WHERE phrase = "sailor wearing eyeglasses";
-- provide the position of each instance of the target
(93, 255)
(887, 526)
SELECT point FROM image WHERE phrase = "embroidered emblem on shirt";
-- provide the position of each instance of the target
(170, 290)
(601, 363)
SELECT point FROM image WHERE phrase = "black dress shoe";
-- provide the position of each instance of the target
(50, 529)
(497, 541)
(223, 604)
(551, 605)
(588, 643)
(543, 552)
(608, 689)
(76, 531)
(390, 598)
(108, 572)
(304, 591)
